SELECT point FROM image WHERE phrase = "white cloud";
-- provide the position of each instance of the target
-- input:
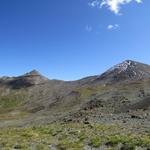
(94, 3)
(88, 28)
(113, 27)
(113, 5)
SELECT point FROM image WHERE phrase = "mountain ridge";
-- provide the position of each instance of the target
(122, 67)
(43, 100)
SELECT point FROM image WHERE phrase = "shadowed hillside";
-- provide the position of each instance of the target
(123, 90)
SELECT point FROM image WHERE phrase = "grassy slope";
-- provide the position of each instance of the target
(71, 137)
(112, 96)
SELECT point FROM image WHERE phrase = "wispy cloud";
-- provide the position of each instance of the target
(113, 5)
(113, 27)
(88, 28)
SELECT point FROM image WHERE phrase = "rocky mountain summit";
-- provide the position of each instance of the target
(33, 73)
(28, 79)
(123, 90)
(128, 70)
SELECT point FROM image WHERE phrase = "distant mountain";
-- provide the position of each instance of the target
(28, 79)
(128, 70)
(123, 90)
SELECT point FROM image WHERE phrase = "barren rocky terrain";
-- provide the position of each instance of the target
(107, 111)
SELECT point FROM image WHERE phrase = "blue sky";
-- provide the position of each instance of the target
(71, 39)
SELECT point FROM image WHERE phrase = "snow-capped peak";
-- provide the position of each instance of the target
(123, 66)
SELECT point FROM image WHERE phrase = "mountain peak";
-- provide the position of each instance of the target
(33, 73)
(29, 79)
(125, 65)
(126, 71)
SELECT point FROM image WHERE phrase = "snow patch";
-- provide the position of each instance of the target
(122, 67)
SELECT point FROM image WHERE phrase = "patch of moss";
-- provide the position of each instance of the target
(96, 142)
(42, 147)
(66, 145)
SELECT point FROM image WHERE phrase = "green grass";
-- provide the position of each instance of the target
(12, 100)
(96, 141)
(70, 136)
(87, 91)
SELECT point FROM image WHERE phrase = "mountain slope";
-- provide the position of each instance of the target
(128, 70)
(33, 99)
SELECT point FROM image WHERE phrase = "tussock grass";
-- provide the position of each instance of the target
(71, 136)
